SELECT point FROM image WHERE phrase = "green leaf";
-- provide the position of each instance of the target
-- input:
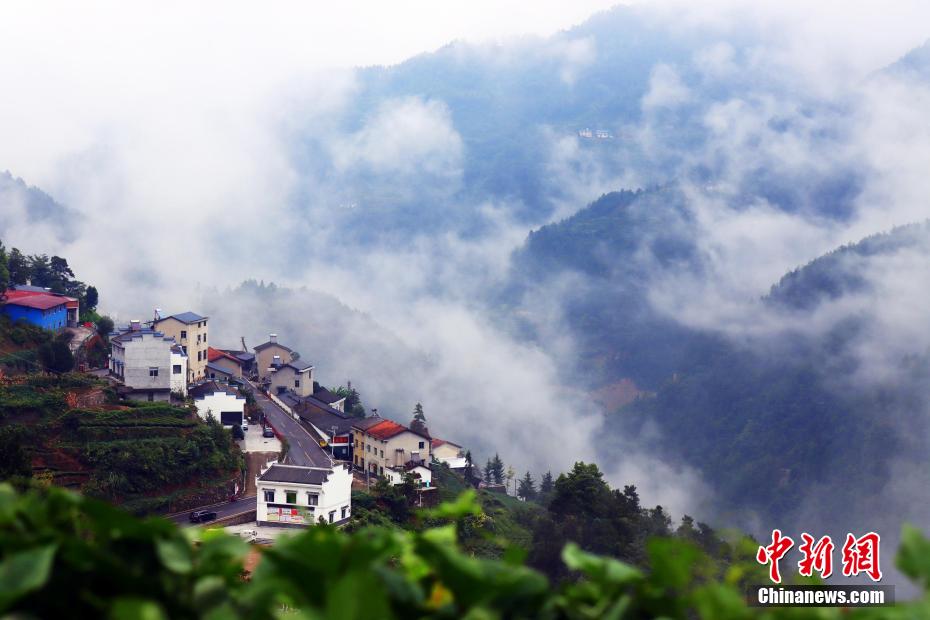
(464, 505)
(914, 555)
(136, 609)
(175, 554)
(25, 572)
(606, 570)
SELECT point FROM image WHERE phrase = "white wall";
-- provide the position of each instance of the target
(218, 402)
(334, 495)
(397, 476)
(179, 381)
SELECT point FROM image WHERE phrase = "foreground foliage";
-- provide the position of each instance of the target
(69, 556)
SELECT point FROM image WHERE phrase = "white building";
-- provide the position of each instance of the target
(142, 360)
(178, 370)
(449, 453)
(298, 496)
(223, 402)
(421, 473)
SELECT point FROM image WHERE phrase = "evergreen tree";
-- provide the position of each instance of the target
(545, 485)
(40, 270)
(527, 488)
(18, 267)
(90, 298)
(353, 405)
(488, 472)
(418, 424)
(497, 469)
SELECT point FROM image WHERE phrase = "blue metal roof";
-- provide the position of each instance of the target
(186, 317)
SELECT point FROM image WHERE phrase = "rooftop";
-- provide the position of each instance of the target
(220, 369)
(295, 475)
(265, 345)
(385, 429)
(299, 365)
(211, 387)
(323, 416)
(185, 317)
(435, 443)
(325, 396)
(38, 301)
(215, 354)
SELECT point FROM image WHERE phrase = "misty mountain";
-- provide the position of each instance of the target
(845, 270)
(770, 420)
(426, 143)
(24, 204)
(599, 264)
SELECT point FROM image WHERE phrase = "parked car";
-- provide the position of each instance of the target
(245, 427)
(268, 432)
(202, 516)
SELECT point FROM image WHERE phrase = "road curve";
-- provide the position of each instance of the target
(303, 448)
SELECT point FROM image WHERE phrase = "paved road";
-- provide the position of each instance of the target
(303, 448)
(224, 509)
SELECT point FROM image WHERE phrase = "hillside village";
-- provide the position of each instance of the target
(311, 452)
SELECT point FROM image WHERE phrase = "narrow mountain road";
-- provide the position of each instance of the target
(303, 449)
(222, 510)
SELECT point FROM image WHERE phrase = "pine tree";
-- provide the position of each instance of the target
(488, 471)
(497, 469)
(18, 266)
(545, 485)
(527, 488)
(418, 413)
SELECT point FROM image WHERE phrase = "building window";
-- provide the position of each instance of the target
(151, 397)
(296, 383)
(198, 338)
(381, 471)
(198, 356)
(332, 516)
(290, 497)
(313, 499)
(183, 334)
(153, 371)
(382, 454)
(269, 496)
(176, 369)
(422, 445)
(345, 509)
(204, 337)
(368, 448)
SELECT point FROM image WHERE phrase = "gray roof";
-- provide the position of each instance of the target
(127, 334)
(265, 345)
(299, 365)
(209, 387)
(295, 474)
(185, 317)
(220, 369)
(324, 417)
(324, 395)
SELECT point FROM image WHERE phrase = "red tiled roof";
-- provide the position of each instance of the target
(386, 429)
(31, 299)
(215, 354)
(435, 443)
